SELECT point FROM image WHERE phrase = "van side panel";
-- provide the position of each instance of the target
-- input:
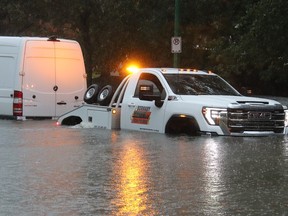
(39, 79)
(7, 73)
(10, 66)
(70, 76)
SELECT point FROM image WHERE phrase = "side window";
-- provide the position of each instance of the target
(150, 80)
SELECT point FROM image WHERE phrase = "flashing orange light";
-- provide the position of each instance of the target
(114, 111)
(133, 69)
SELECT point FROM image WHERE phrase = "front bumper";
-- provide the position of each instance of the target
(251, 120)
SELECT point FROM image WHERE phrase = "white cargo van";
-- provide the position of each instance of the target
(40, 77)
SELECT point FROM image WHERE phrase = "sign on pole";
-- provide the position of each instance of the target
(176, 45)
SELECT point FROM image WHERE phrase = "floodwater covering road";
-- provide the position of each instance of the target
(53, 170)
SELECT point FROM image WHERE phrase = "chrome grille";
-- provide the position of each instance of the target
(256, 119)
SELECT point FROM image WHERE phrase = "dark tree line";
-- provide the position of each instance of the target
(245, 41)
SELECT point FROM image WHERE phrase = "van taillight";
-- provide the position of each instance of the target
(18, 103)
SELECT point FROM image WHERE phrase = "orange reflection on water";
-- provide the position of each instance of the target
(132, 188)
(52, 166)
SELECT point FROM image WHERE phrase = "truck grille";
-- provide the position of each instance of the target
(270, 118)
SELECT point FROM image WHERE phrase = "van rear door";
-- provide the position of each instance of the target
(54, 79)
(70, 79)
(39, 79)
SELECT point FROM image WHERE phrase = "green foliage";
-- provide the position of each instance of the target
(258, 54)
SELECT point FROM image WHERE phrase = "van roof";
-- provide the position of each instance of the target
(16, 40)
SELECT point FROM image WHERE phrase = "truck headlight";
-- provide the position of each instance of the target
(286, 118)
(214, 115)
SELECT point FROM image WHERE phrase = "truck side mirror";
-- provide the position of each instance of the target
(146, 93)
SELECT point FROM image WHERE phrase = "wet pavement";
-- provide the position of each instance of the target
(53, 170)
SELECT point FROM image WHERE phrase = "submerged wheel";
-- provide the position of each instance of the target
(91, 94)
(179, 125)
(105, 95)
(71, 121)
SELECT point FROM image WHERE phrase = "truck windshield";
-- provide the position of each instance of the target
(199, 84)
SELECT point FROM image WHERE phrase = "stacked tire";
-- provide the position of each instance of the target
(95, 95)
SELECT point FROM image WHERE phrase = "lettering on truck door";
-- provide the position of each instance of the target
(142, 113)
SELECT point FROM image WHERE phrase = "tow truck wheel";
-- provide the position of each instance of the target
(91, 94)
(179, 125)
(105, 95)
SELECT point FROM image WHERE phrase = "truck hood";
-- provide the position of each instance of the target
(224, 101)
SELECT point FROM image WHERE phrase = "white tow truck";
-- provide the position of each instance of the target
(169, 100)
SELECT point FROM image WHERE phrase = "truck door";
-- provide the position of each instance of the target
(144, 113)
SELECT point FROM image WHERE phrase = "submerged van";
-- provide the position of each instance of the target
(40, 77)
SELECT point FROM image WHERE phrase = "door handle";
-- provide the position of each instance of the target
(131, 105)
(61, 103)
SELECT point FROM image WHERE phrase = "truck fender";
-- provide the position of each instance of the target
(91, 94)
(179, 123)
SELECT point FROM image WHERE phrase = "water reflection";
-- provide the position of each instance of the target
(131, 170)
(240, 171)
(65, 171)
(52, 164)
(212, 164)
(285, 147)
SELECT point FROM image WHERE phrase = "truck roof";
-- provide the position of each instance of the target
(177, 70)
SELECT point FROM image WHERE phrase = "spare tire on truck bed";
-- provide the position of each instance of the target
(105, 95)
(91, 94)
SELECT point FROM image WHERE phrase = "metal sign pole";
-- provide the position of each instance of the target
(176, 32)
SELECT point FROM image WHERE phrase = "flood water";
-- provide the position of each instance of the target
(54, 170)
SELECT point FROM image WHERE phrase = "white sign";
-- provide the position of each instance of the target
(176, 45)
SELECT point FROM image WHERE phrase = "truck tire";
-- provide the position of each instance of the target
(91, 94)
(105, 95)
(179, 125)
